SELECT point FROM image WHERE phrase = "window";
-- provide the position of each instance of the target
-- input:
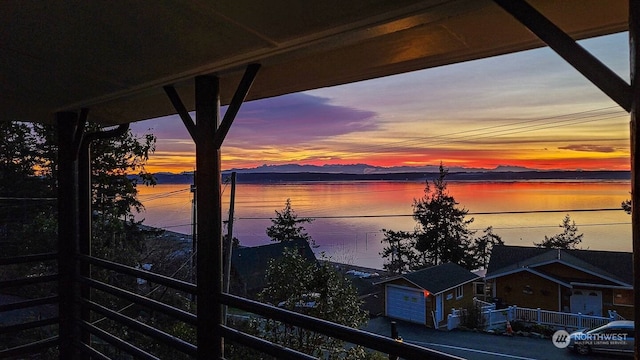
(478, 289)
(622, 297)
(459, 292)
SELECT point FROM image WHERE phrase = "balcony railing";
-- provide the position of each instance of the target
(99, 337)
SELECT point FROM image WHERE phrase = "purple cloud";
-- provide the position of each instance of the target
(297, 118)
(293, 119)
(589, 148)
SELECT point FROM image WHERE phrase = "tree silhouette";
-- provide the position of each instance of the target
(441, 235)
(314, 288)
(401, 251)
(568, 239)
(482, 246)
(286, 226)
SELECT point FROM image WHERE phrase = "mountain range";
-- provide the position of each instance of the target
(364, 172)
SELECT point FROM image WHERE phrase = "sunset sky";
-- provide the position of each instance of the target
(528, 109)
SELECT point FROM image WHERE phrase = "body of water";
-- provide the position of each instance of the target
(349, 216)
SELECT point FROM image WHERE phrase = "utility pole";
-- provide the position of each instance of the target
(194, 233)
(228, 245)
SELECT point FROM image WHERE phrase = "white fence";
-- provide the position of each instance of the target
(493, 318)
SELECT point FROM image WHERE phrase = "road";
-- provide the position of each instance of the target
(480, 346)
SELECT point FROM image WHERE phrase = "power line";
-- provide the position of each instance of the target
(470, 213)
(163, 195)
(516, 127)
(516, 212)
(556, 226)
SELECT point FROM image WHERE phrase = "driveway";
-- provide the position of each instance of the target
(476, 345)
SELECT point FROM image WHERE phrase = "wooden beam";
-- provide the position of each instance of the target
(182, 111)
(588, 65)
(238, 98)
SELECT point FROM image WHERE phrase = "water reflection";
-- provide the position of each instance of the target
(350, 215)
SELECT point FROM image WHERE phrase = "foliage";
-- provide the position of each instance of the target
(626, 206)
(286, 226)
(473, 317)
(20, 161)
(401, 251)
(442, 233)
(520, 326)
(28, 222)
(26, 199)
(481, 247)
(315, 289)
(568, 239)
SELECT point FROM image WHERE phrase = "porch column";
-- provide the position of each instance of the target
(209, 219)
(634, 57)
(70, 129)
(208, 133)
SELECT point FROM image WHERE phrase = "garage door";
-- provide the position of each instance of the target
(586, 302)
(406, 304)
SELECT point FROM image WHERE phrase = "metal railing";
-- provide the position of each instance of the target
(31, 305)
(99, 335)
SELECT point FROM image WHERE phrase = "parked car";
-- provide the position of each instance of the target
(615, 337)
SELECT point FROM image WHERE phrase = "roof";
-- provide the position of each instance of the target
(367, 282)
(440, 278)
(250, 264)
(613, 265)
(114, 57)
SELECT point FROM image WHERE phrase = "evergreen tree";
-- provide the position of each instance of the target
(27, 199)
(568, 239)
(28, 173)
(481, 248)
(626, 206)
(286, 226)
(442, 234)
(315, 289)
(400, 252)
(116, 234)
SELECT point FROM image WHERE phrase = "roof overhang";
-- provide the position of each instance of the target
(531, 271)
(115, 57)
(391, 280)
(533, 266)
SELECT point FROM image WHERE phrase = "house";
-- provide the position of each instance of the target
(368, 283)
(426, 296)
(249, 265)
(589, 282)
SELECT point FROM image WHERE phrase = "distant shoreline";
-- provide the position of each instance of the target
(291, 177)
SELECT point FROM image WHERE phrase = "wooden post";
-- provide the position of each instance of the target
(209, 219)
(394, 336)
(69, 132)
(634, 58)
(208, 133)
(228, 244)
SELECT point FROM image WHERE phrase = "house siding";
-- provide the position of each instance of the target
(430, 302)
(527, 290)
(608, 303)
(454, 303)
(549, 299)
(567, 272)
